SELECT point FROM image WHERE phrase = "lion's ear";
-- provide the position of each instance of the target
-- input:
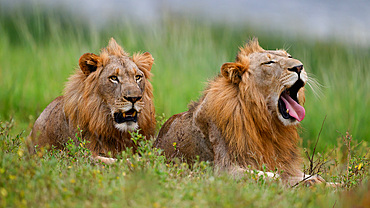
(233, 71)
(144, 62)
(89, 63)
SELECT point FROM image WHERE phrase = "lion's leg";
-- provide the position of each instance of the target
(222, 158)
(305, 179)
(259, 173)
(106, 160)
(223, 162)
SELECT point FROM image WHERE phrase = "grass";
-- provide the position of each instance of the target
(70, 179)
(39, 49)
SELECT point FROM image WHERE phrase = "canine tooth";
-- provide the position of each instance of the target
(287, 110)
(133, 114)
(123, 114)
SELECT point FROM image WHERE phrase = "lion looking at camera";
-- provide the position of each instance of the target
(108, 96)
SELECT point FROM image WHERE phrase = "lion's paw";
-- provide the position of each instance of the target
(106, 160)
(313, 180)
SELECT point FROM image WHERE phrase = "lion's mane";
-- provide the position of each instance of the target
(252, 134)
(83, 107)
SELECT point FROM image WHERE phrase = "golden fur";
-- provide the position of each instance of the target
(91, 100)
(241, 113)
(237, 123)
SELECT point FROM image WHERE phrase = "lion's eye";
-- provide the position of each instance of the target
(114, 79)
(138, 77)
(269, 62)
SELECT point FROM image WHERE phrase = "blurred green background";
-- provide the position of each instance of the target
(40, 48)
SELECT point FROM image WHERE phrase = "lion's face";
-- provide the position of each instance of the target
(280, 78)
(119, 82)
(274, 75)
(121, 85)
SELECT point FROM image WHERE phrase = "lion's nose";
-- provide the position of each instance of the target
(132, 99)
(296, 69)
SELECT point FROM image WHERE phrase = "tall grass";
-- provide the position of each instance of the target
(39, 49)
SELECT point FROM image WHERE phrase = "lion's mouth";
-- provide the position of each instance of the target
(288, 103)
(121, 117)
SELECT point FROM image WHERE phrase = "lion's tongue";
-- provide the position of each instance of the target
(295, 110)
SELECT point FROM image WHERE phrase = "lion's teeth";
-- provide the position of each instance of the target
(287, 110)
(134, 113)
(124, 114)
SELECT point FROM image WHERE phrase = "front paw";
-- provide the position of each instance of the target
(106, 160)
(312, 180)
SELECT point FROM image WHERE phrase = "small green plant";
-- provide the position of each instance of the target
(161, 119)
(145, 154)
(76, 150)
(357, 164)
(9, 143)
(346, 165)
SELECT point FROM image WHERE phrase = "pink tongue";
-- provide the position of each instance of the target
(295, 110)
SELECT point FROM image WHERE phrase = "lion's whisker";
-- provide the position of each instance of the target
(315, 86)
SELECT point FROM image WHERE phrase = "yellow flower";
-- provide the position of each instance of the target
(360, 166)
(72, 181)
(20, 152)
(156, 205)
(3, 192)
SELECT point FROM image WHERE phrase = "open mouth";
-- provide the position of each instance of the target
(288, 104)
(121, 117)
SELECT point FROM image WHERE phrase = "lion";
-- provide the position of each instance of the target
(247, 118)
(106, 98)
